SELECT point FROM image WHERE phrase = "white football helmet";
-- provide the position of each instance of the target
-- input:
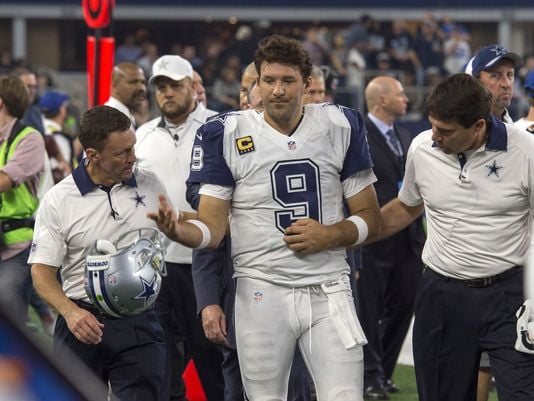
(123, 278)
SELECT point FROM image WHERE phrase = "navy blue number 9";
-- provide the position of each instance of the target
(297, 189)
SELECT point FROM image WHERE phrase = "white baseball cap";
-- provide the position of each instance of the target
(173, 67)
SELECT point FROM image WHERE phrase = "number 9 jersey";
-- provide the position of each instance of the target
(274, 179)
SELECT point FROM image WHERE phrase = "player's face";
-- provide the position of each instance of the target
(316, 91)
(281, 89)
(115, 163)
(175, 98)
(396, 101)
(452, 138)
(499, 80)
(198, 88)
(131, 88)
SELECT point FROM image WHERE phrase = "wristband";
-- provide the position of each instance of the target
(206, 234)
(363, 229)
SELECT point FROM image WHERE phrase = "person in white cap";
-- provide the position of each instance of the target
(164, 146)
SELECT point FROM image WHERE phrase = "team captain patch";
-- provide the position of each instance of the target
(245, 145)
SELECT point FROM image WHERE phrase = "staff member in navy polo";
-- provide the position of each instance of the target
(474, 177)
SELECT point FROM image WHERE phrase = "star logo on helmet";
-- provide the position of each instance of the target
(493, 168)
(139, 199)
(499, 50)
(148, 290)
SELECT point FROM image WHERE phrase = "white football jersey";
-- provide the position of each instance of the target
(277, 179)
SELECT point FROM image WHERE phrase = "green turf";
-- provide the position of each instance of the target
(404, 377)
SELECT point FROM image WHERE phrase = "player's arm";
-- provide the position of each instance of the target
(82, 323)
(396, 216)
(310, 236)
(207, 230)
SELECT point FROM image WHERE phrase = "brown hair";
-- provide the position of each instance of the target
(461, 98)
(14, 94)
(283, 50)
(98, 123)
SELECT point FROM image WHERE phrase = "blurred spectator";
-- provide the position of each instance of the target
(358, 31)
(248, 79)
(316, 92)
(44, 80)
(54, 105)
(32, 116)
(403, 57)
(383, 62)
(6, 61)
(226, 90)
(243, 46)
(150, 55)
(189, 52)
(22, 162)
(356, 66)
(316, 47)
(198, 89)
(527, 122)
(376, 43)
(128, 50)
(429, 50)
(457, 50)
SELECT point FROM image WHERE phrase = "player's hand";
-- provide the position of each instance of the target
(214, 324)
(84, 325)
(308, 236)
(165, 218)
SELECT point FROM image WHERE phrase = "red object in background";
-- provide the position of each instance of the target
(97, 13)
(106, 59)
(193, 387)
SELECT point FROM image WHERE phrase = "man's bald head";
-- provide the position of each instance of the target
(128, 85)
(385, 98)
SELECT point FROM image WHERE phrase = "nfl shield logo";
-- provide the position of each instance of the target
(258, 296)
(291, 145)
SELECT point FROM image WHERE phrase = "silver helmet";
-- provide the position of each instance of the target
(123, 278)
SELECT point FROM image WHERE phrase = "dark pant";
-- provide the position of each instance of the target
(131, 355)
(177, 296)
(454, 324)
(385, 297)
(16, 286)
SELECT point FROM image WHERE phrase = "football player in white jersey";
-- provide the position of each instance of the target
(283, 175)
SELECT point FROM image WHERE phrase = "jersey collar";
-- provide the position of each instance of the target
(85, 184)
(497, 135)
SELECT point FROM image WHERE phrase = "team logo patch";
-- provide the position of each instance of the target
(33, 248)
(493, 168)
(244, 145)
(258, 296)
(139, 199)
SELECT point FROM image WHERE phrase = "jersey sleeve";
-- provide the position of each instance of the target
(208, 165)
(357, 157)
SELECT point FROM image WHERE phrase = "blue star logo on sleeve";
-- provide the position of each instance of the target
(148, 290)
(139, 199)
(493, 168)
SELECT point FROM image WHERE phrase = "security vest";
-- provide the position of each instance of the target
(18, 205)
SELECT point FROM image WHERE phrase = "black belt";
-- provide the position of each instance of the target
(13, 224)
(93, 309)
(478, 282)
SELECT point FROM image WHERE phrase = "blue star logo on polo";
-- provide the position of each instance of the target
(148, 290)
(139, 199)
(493, 168)
(498, 50)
